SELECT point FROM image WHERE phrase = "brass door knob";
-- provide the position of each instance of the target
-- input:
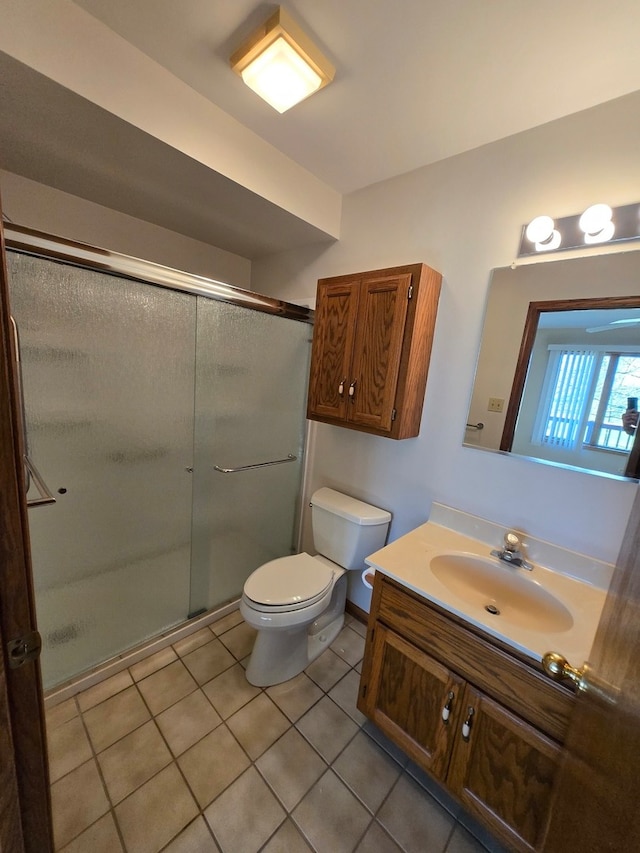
(557, 667)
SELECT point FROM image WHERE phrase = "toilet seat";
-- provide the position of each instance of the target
(289, 583)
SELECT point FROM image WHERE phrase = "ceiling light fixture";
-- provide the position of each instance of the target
(281, 63)
(598, 224)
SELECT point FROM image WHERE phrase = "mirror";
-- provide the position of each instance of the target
(559, 358)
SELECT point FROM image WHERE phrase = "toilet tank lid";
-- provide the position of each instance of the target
(356, 511)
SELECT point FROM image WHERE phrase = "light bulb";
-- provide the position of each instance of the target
(597, 224)
(539, 229)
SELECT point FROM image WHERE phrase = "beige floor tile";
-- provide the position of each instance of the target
(196, 838)
(330, 817)
(166, 687)
(345, 694)
(133, 760)
(104, 689)
(376, 840)
(212, 764)
(186, 722)
(368, 770)
(227, 622)
(102, 837)
(414, 819)
(291, 766)
(327, 728)
(229, 691)
(240, 829)
(296, 696)
(287, 839)
(463, 842)
(208, 661)
(152, 664)
(56, 715)
(157, 812)
(193, 641)
(349, 645)
(327, 669)
(68, 747)
(258, 725)
(358, 626)
(115, 717)
(77, 801)
(239, 640)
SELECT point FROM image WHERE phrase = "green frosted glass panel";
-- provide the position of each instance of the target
(251, 380)
(108, 384)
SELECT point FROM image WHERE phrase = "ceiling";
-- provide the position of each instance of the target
(416, 81)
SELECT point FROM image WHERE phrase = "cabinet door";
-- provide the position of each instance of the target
(335, 321)
(408, 696)
(503, 771)
(377, 351)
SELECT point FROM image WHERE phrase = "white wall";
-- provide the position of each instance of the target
(463, 216)
(43, 208)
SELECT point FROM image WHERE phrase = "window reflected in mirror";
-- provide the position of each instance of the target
(558, 378)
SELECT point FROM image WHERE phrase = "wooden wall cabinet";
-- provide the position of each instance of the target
(483, 722)
(372, 342)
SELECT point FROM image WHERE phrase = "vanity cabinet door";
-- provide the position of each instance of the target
(503, 771)
(413, 699)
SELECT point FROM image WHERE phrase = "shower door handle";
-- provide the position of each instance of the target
(31, 472)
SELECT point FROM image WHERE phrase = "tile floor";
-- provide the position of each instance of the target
(180, 754)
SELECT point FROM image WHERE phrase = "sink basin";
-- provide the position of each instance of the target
(503, 592)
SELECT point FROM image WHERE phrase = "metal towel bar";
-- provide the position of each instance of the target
(290, 458)
(31, 472)
(45, 495)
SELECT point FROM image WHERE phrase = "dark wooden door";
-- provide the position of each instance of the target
(25, 812)
(598, 787)
(382, 314)
(333, 335)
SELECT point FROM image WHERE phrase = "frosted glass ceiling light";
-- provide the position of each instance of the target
(281, 64)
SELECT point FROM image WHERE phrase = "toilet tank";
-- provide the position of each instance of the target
(346, 530)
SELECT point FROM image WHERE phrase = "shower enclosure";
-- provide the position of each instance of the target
(165, 417)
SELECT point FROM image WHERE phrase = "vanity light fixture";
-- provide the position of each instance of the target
(598, 224)
(281, 63)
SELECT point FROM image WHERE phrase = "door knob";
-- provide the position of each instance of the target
(557, 667)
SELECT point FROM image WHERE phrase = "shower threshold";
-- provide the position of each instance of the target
(120, 662)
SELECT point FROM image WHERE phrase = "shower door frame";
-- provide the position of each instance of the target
(26, 241)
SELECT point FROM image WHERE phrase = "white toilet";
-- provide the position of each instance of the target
(297, 603)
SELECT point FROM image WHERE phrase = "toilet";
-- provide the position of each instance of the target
(296, 603)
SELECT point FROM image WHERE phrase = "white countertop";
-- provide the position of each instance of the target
(407, 560)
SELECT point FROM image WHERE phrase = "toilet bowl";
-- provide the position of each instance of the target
(296, 604)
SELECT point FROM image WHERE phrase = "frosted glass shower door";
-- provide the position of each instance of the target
(251, 379)
(108, 380)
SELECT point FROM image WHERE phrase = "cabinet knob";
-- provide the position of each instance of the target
(341, 387)
(446, 711)
(466, 726)
(352, 390)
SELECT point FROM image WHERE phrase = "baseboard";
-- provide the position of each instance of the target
(357, 612)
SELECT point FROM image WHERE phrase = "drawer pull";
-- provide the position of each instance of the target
(466, 726)
(446, 711)
(341, 387)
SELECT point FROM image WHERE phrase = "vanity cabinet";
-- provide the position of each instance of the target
(486, 724)
(372, 341)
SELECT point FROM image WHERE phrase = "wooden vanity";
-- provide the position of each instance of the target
(478, 716)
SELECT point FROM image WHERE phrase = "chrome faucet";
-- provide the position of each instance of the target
(511, 552)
